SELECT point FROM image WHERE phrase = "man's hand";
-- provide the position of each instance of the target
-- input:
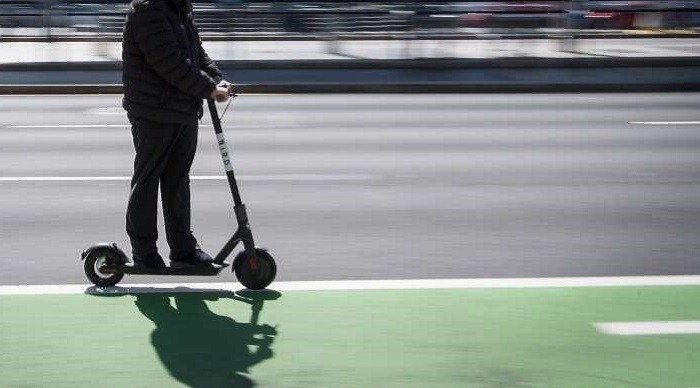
(220, 94)
(227, 85)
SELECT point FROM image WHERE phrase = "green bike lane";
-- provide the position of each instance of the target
(444, 337)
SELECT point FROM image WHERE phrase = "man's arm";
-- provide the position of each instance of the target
(159, 45)
(209, 66)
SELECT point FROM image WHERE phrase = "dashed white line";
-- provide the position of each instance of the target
(342, 285)
(665, 122)
(648, 328)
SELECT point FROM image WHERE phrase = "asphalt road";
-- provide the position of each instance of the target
(379, 186)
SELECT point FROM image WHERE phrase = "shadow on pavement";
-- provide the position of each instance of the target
(200, 348)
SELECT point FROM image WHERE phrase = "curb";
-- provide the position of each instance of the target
(420, 63)
(374, 88)
(349, 37)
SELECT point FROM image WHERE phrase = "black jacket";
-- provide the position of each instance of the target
(166, 72)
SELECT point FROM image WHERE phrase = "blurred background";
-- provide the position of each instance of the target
(66, 19)
(404, 29)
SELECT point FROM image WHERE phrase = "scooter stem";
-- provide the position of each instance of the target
(223, 150)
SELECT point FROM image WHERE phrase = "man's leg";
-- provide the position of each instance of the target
(175, 192)
(153, 143)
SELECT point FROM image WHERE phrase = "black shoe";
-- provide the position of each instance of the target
(198, 257)
(150, 261)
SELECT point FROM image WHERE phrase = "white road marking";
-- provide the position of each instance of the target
(72, 126)
(568, 282)
(649, 328)
(78, 126)
(265, 126)
(63, 178)
(107, 111)
(254, 178)
(665, 122)
(235, 126)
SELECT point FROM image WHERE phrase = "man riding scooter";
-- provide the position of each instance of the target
(166, 75)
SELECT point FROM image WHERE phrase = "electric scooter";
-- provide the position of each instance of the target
(105, 264)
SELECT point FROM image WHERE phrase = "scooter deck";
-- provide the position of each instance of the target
(193, 270)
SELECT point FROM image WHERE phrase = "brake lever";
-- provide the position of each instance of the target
(232, 95)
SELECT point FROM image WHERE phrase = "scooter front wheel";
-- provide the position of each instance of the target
(255, 273)
(102, 267)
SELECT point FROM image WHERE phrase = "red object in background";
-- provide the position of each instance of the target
(610, 20)
(474, 19)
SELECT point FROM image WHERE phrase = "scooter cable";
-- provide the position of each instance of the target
(224, 112)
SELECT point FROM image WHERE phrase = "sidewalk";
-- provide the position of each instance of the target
(25, 52)
(380, 66)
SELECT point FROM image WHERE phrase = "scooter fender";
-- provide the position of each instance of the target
(111, 246)
(239, 257)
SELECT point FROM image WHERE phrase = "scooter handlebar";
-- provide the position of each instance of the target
(230, 91)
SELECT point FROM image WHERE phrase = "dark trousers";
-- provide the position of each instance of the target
(164, 155)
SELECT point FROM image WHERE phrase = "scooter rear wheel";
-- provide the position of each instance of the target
(98, 259)
(258, 274)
